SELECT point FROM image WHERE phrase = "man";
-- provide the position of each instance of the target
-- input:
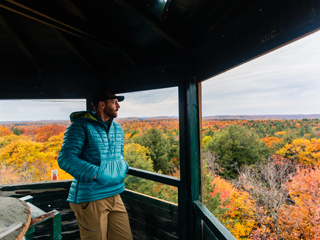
(92, 152)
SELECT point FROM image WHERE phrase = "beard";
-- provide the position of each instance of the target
(112, 113)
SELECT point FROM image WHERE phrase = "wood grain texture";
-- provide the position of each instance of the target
(13, 210)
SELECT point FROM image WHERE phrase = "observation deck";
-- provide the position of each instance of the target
(68, 49)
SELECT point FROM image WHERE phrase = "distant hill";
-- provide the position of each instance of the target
(35, 123)
(215, 117)
(129, 119)
(239, 117)
(145, 118)
(262, 117)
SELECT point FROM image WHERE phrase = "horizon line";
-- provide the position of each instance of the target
(162, 117)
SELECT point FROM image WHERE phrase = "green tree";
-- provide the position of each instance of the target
(138, 156)
(205, 141)
(235, 147)
(16, 131)
(173, 150)
(161, 149)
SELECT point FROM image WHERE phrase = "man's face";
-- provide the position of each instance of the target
(111, 108)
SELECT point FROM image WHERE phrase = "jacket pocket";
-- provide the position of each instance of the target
(113, 173)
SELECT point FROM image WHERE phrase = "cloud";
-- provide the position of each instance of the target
(153, 103)
(33, 110)
(285, 81)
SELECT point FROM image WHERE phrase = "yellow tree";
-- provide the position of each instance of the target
(232, 206)
(5, 140)
(7, 175)
(52, 148)
(27, 159)
(239, 217)
(302, 150)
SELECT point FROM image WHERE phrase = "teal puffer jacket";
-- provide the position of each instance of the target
(91, 148)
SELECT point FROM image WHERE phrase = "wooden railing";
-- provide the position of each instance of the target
(139, 206)
(157, 177)
(214, 228)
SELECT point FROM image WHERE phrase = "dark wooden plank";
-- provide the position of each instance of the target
(207, 233)
(151, 21)
(66, 24)
(217, 228)
(162, 178)
(27, 52)
(153, 203)
(154, 217)
(77, 52)
(151, 231)
(64, 184)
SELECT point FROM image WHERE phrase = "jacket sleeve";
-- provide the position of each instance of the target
(69, 156)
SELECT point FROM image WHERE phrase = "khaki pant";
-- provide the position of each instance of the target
(104, 219)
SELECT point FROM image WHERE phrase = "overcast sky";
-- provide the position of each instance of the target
(285, 81)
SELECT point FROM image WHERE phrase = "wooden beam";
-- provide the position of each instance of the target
(64, 39)
(190, 171)
(19, 42)
(151, 21)
(161, 178)
(74, 27)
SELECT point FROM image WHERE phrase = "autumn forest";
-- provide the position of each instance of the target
(261, 178)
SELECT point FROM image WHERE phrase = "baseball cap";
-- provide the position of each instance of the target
(103, 96)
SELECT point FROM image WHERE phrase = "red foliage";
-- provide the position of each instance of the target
(47, 131)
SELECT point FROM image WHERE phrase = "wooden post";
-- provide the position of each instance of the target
(88, 102)
(190, 171)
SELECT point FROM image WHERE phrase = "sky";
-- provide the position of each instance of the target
(285, 81)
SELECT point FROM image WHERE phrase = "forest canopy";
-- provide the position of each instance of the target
(260, 177)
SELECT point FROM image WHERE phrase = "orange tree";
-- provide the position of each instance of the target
(232, 207)
(301, 219)
(44, 133)
(4, 131)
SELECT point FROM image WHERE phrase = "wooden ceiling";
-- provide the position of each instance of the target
(67, 48)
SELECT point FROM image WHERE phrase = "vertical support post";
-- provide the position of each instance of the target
(190, 171)
(55, 227)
